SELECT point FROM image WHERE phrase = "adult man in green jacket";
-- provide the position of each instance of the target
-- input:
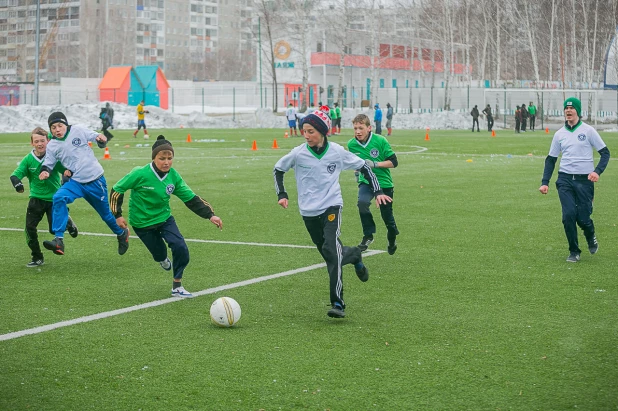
(532, 114)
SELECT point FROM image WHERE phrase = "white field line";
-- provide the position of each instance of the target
(189, 240)
(93, 317)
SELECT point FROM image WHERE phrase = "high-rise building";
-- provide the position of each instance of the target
(82, 38)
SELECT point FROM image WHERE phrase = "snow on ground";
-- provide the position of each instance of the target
(24, 118)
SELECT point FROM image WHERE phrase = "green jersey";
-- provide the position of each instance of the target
(30, 167)
(150, 196)
(532, 110)
(335, 113)
(376, 148)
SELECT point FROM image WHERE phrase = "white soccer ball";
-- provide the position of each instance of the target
(225, 312)
(146, 136)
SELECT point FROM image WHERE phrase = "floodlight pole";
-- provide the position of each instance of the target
(36, 53)
(260, 52)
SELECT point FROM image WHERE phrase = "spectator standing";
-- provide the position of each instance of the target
(532, 113)
(389, 118)
(290, 113)
(377, 118)
(475, 118)
(524, 117)
(517, 119)
(490, 118)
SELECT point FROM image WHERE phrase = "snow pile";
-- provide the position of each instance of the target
(24, 118)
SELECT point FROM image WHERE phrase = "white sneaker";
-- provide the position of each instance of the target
(166, 264)
(181, 292)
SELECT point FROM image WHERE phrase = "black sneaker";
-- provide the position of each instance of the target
(336, 312)
(392, 248)
(72, 228)
(573, 257)
(593, 245)
(362, 272)
(364, 244)
(35, 263)
(123, 241)
(56, 245)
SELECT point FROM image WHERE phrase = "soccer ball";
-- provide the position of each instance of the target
(225, 312)
(146, 136)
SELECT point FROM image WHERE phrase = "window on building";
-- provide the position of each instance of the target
(319, 47)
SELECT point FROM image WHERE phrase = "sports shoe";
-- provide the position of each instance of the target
(166, 264)
(391, 248)
(362, 271)
(35, 263)
(56, 245)
(123, 241)
(336, 312)
(72, 228)
(364, 244)
(593, 246)
(573, 257)
(181, 292)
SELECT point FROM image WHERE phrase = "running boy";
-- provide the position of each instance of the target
(149, 208)
(290, 113)
(41, 193)
(69, 147)
(141, 123)
(378, 153)
(317, 166)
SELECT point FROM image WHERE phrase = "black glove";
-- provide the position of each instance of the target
(101, 144)
(19, 187)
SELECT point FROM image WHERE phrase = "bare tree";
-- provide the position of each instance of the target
(266, 11)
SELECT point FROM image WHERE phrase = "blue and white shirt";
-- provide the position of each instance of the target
(317, 176)
(576, 147)
(74, 153)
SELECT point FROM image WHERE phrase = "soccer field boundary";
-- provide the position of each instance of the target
(208, 291)
(189, 240)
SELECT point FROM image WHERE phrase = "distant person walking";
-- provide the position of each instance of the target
(107, 120)
(576, 175)
(532, 113)
(377, 118)
(490, 118)
(290, 113)
(389, 118)
(475, 118)
(141, 123)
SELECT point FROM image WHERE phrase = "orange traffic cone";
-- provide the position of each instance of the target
(254, 146)
(106, 156)
(427, 134)
(285, 135)
(493, 133)
(275, 145)
(90, 144)
(189, 138)
(546, 130)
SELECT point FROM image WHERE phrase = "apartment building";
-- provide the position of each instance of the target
(82, 38)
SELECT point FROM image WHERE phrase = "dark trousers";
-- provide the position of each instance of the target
(475, 121)
(517, 125)
(106, 132)
(490, 123)
(324, 231)
(523, 124)
(378, 129)
(365, 195)
(37, 209)
(532, 121)
(576, 194)
(154, 238)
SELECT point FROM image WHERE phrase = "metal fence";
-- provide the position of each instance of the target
(223, 97)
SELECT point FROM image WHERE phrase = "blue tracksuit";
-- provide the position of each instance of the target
(86, 182)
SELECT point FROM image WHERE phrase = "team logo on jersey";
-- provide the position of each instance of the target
(169, 189)
(374, 153)
(331, 168)
(581, 137)
(331, 217)
(77, 142)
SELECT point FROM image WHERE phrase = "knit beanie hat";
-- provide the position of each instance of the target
(575, 103)
(319, 120)
(57, 117)
(160, 145)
